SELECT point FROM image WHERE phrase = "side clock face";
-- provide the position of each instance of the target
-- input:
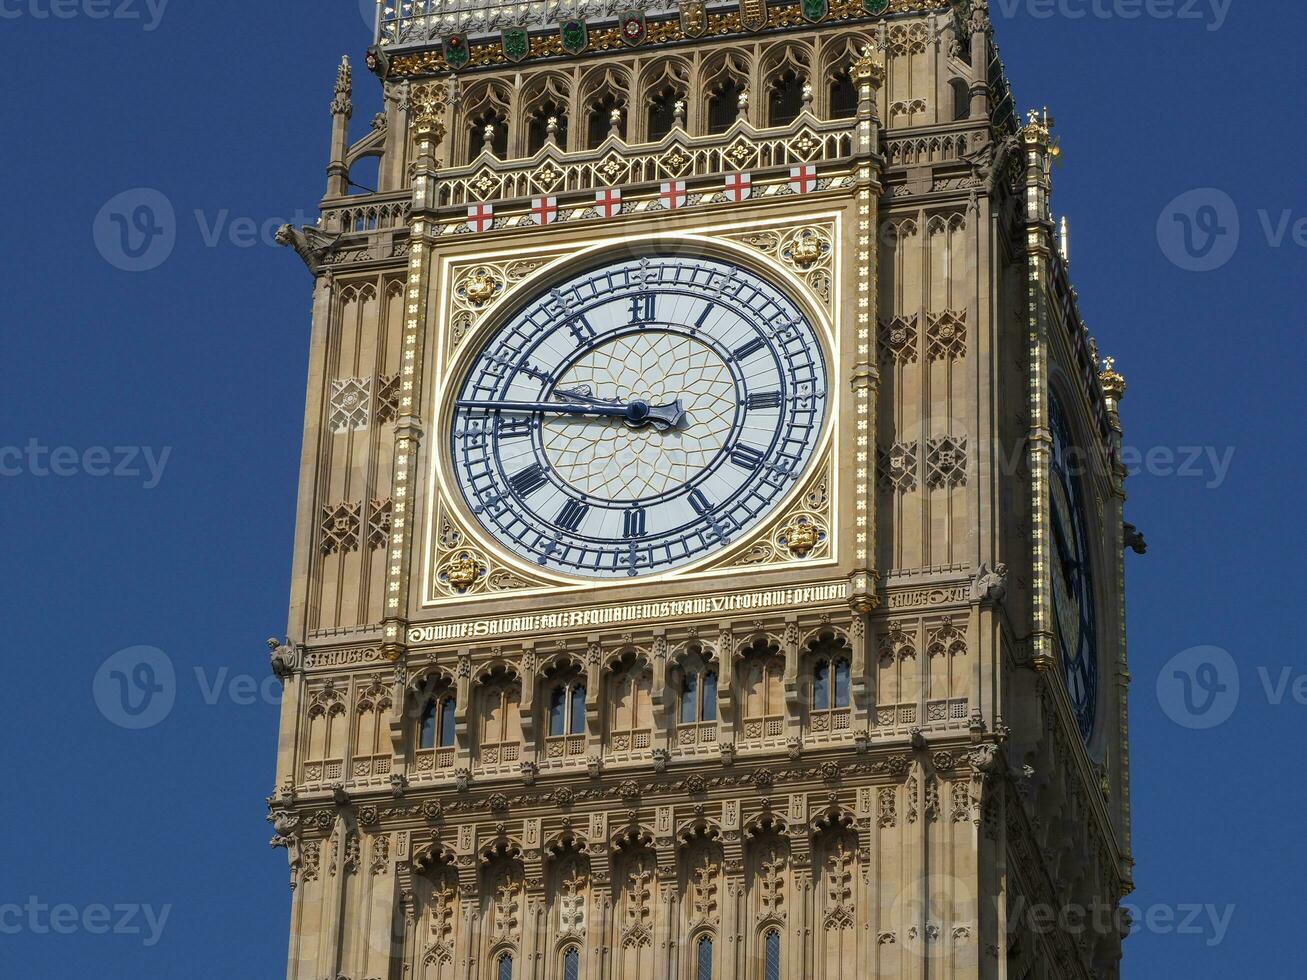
(1072, 575)
(638, 417)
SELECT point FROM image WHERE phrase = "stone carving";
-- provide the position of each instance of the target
(896, 467)
(990, 583)
(946, 462)
(351, 404)
(340, 527)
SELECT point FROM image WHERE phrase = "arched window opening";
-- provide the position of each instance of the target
(703, 959)
(662, 112)
(427, 727)
(698, 695)
(830, 684)
(487, 131)
(600, 122)
(961, 98)
(445, 737)
(843, 95)
(785, 98)
(724, 105)
(505, 971)
(567, 709)
(571, 964)
(772, 956)
(548, 120)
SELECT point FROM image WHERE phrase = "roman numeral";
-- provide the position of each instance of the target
(513, 428)
(707, 309)
(747, 457)
(572, 514)
(528, 481)
(752, 347)
(764, 399)
(699, 502)
(642, 308)
(633, 523)
(581, 328)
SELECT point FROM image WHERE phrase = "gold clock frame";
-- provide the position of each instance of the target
(462, 562)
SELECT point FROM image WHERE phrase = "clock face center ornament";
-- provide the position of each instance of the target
(639, 417)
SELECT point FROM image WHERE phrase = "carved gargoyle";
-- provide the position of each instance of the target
(1133, 538)
(990, 583)
(283, 658)
(313, 245)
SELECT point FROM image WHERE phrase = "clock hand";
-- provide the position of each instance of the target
(635, 413)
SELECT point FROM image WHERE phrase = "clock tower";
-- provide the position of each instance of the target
(709, 550)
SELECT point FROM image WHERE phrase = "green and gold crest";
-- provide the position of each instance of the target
(575, 36)
(815, 11)
(516, 43)
(875, 6)
(456, 50)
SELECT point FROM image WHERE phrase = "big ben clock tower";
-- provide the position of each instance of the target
(709, 552)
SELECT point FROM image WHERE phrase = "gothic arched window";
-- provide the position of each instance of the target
(505, 971)
(487, 131)
(724, 105)
(600, 121)
(785, 98)
(698, 695)
(830, 683)
(662, 112)
(703, 959)
(571, 963)
(771, 966)
(546, 114)
(843, 95)
(567, 709)
(436, 725)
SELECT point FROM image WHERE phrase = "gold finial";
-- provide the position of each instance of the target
(1035, 131)
(1111, 380)
(867, 69)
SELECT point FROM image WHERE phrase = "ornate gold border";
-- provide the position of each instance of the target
(443, 498)
(781, 16)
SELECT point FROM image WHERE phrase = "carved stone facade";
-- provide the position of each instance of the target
(841, 747)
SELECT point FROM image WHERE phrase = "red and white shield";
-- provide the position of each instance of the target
(545, 210)
(480, 216)
(803, 179)
(739, 186)
(673, 195)
(609, 201)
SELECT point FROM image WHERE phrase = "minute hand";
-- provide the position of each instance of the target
(636, 413)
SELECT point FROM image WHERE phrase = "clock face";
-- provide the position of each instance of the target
(638, 417)
(1072, 575)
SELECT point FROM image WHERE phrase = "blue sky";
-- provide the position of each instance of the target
(222, 109)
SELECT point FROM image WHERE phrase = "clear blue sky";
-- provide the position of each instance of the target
(222, 108)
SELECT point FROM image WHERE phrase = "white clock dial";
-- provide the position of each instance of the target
(639, 416)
